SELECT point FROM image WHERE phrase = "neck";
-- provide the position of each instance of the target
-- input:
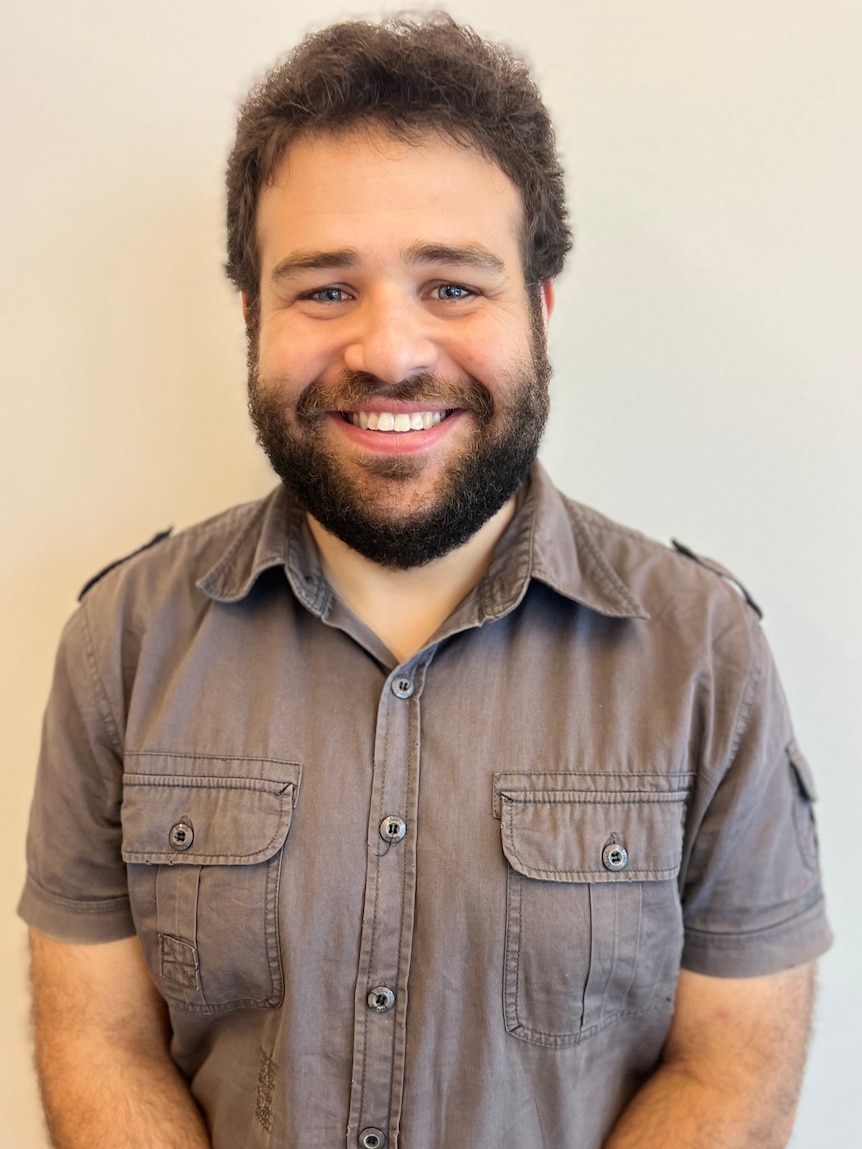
(405, 607)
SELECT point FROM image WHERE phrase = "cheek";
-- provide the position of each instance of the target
(295, 356)
(489, 355)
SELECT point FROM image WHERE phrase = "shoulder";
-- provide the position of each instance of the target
(692, 610)
(164, 575)
(659, 573)
(191, 551)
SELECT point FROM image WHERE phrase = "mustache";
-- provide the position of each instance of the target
(353, 389)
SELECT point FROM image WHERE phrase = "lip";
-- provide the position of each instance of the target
(396, 442)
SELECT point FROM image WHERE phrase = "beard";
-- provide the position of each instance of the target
(374, 506)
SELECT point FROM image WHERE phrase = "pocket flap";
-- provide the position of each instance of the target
(573, 836)
(185, 820)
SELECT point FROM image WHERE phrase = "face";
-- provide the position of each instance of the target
(398, 373)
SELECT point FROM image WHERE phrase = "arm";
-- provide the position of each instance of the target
(731, 1069)
(106, 1075)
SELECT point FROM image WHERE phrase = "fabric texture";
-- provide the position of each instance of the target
(449, 899)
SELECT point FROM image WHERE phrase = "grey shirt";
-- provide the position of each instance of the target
(437, 903)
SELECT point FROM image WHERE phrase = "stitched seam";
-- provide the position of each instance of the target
(688, 774)
(224, 565)
(606, 575)
(516, 904)
(270, 928)
(98, 906)
(108, 719)
(709, 938)
(510, 791)
(604, 798)
(412, 780)
(210, 757)
(746, 702)
(372, 943)
(207, 782)
(584, 875)
(568, 1039)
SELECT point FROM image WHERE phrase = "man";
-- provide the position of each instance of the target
(414, 804)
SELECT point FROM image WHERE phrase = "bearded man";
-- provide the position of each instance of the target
(415, 804)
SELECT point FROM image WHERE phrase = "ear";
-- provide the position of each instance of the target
(547, 287)
(246, 306)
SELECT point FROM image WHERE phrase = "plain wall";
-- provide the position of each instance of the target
(706, 346)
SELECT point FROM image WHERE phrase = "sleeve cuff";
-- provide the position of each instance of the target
(761, 952)
(90, 921)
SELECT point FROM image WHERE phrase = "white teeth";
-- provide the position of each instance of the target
(387, 421)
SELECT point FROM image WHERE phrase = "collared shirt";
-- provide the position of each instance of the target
(437, 903)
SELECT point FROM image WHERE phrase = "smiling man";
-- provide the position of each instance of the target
(415, 804)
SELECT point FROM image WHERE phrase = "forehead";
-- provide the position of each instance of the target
(367, 187)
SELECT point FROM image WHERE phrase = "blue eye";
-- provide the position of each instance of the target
(453, 291)
(327, 295)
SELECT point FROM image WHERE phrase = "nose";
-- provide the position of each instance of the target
(391, 339)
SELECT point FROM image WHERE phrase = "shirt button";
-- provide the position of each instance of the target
(381, 999)
(372, 1139)
(614, 856)
(392, 829)
(402, 687)
(181, 836)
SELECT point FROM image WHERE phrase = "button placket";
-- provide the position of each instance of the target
(387, 928)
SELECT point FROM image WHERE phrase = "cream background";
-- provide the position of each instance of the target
(706, 345)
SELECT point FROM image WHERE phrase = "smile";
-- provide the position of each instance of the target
(391, 421)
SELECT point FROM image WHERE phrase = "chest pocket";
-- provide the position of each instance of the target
(204, 856)
(593, 922)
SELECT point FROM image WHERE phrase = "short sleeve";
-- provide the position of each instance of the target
(76, 880)
(752, 893)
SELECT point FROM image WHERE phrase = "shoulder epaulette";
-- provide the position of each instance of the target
(90, 583)
(722, 572)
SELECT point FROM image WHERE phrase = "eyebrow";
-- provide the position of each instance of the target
(462, 255)
(299, 261)
(466, 255)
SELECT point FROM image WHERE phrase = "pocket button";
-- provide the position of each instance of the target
(614, 856)
(181, 836)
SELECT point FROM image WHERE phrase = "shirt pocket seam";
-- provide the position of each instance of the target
(582, 869)
(239, 828)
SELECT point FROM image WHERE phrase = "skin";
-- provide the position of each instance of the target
(731, 1070)
(102, 1034)
(350, 284)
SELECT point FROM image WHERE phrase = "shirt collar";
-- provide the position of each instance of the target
(274, 535)
(557, 545)
(549, 539)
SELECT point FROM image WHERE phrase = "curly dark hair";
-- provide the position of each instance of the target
(411, 76)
